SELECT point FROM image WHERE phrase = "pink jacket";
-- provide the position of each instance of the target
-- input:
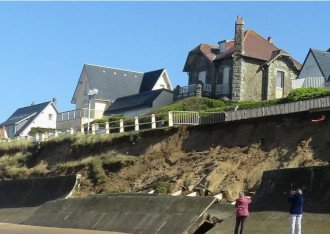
(242, 205)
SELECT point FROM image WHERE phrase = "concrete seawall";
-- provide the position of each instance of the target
(19, 199)
(34, 192)
(130, 213)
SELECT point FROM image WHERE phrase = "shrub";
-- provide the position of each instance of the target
(164, 187)
(306, 93)
(35, 130)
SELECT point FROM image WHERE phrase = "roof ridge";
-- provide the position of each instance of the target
(34, 105)
(95, 65)
(320, 50)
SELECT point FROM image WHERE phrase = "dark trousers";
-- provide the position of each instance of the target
(240, 221)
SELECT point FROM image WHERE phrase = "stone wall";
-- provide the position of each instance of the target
(290, 73)
(252, 80)
(201, 63)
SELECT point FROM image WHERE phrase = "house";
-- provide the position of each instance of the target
(315, 71)
(111, 83)
(141, 103)
(41, 115)
(248, 67)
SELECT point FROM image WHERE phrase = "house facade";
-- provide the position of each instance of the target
(111, 83)
(248, 67)
(315, 71)
(41, 115)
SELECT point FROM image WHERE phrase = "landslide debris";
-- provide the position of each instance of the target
(227, 157)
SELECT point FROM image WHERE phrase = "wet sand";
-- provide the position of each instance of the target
(8, 228)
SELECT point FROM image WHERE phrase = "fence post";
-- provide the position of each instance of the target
(46, 136)
(56, 133)
(153, 121)
(107, 128)
(121, 125)
(170, 118)
(42, 136)
(136, 123)
(37, 137)
(282, 108)
(93, 129)
(71, 131)
(82, 130)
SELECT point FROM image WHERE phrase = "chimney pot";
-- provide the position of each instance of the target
(270, 39)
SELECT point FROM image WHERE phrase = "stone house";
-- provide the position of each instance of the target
(249, 67)
(315, 71)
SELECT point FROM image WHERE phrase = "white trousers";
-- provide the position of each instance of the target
(295, 219)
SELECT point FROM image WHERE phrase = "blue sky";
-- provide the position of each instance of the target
(45, 44)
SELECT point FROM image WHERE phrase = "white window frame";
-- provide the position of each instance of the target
(283, 78)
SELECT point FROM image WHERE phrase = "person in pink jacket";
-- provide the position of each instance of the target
(242, 211)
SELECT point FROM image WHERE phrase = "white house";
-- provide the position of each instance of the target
(315, 71)
(41, 115)
(111, 83)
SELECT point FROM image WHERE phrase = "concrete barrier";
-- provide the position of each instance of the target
(276, 185)
(34, 192)
(128, 213)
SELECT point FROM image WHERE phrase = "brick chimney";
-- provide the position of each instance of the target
(239, 35)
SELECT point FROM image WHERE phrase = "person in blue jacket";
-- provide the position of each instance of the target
(297, 201)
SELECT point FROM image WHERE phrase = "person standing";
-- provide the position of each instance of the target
(297, 201)
(242, 211)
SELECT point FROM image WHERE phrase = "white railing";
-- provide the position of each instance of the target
(78, 114)
(222, 89)
(183, 118)
(188, 118)
(187, 89)
(207, 88)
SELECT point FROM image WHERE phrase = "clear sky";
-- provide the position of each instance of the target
(45, 44)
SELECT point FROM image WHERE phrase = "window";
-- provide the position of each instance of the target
(50, 116)
(223, 77)
(202, 76)
(280, 80)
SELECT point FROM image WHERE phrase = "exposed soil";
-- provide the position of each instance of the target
(227, 157)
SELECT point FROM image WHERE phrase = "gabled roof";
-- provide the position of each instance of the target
(255, 46)
(24, 113)
(149, 80)
(133, 102)
(113, 83)
(323, 60)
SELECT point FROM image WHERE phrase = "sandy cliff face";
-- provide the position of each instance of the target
(226, 157)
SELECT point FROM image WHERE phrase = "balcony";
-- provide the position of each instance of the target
(222, 89)
(190, 91)
(76, 118)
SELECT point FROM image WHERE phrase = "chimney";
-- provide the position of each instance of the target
(239, 35)
(32, 103)
(270, 39)
(54, 100)
(222, 46)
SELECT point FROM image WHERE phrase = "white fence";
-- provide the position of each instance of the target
(188, 118)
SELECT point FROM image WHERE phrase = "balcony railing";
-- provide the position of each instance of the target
(222, 89)
(79, 114)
